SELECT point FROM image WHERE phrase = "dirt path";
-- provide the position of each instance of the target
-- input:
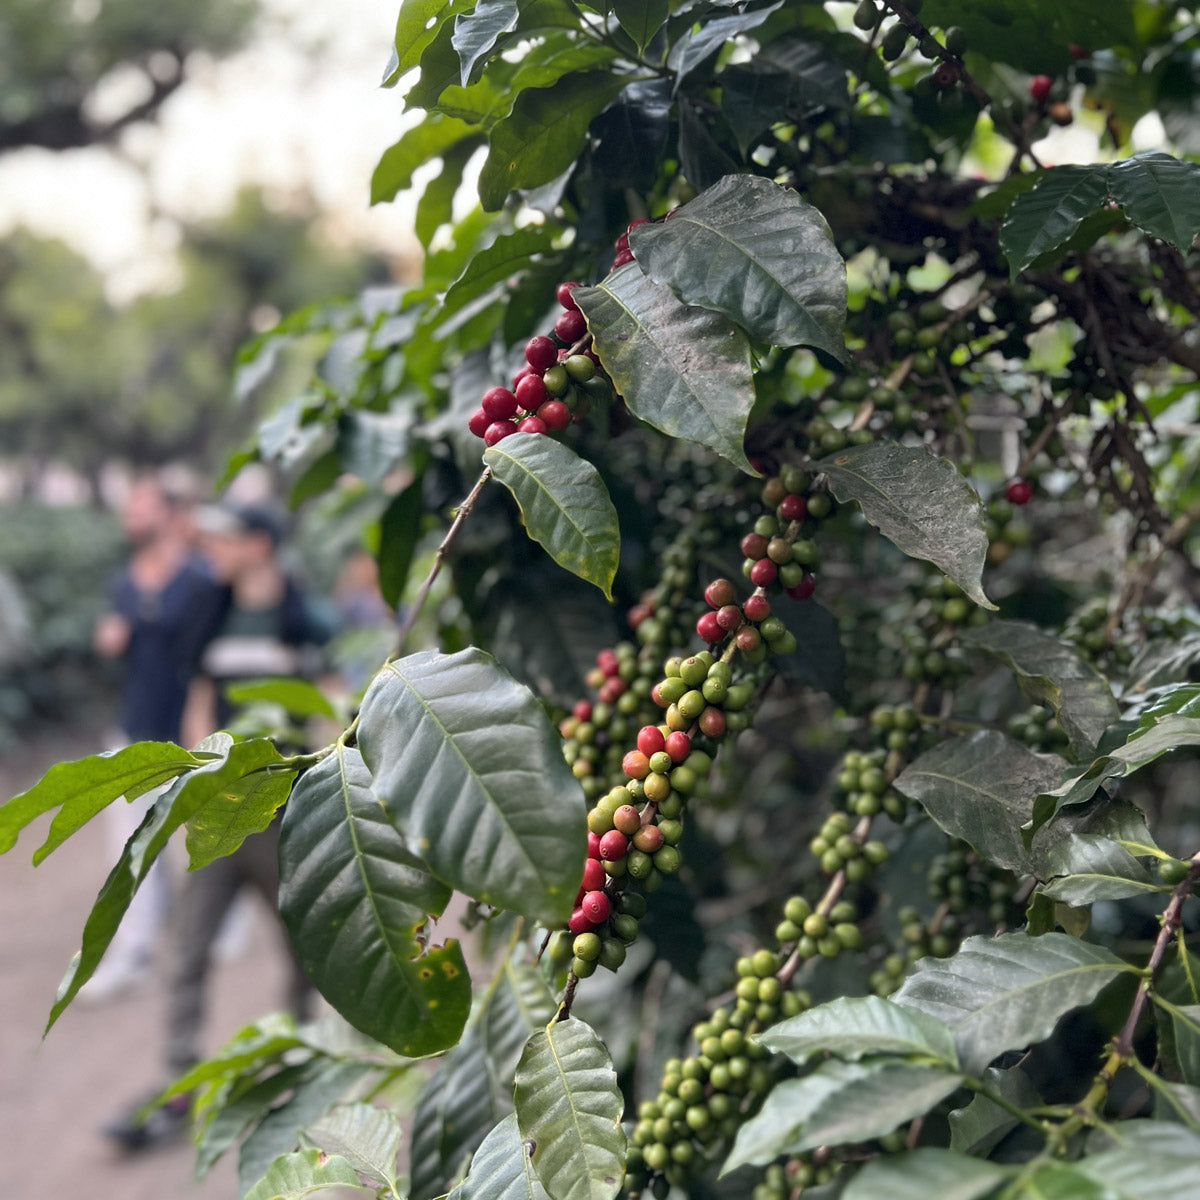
(55, 1094)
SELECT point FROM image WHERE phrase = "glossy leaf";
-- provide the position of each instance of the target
(81, 789)
(371, 444)
(353, 898)
(476, 33)
(1160, 195)
(929, 1173)
(641, 19)
(1044, 217)
(1084, 868)
(919, 501)
(230, 763)
(839, 1102)
(399, 532)
(1052, 672)
(1185, 1039)
(709, 36)
(569, 1106)
(544, 133)
(984, 1123)
(245, 807)
(1153, 1159)
(564, 504)
(501, 1168)
(1062, 1181)
(758, 253)
(1008, 992)
(416, 26)
(508, 255)
(433, 136)
(684, 370)
(855, 1027)
(299, 697)
(472, 774)
(366, 1136)
(301, 1174)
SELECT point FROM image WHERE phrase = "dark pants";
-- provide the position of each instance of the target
(204, 898)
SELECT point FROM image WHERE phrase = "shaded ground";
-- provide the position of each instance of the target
(55, 1094)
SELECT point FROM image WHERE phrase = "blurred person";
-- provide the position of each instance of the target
(154, 601)
(260, 623)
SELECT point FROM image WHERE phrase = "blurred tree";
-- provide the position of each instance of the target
(57, 56)
(84, 382)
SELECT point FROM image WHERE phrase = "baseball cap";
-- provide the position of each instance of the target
(232, 518)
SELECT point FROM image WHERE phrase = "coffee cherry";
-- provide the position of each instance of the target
(579, 922)
(650, 740)
(497, 431)
(756, 607)
(627, 820)
(613, 846)
(541, 353)
(570, 326)
(709, 628)
(593, 875)
(556, 380)
(530, 392)
(499, 403)
(656, 788)
(804, 589)
(579, 367)
(1040, 87)
(532, 425)
(712, 722)
(763, 573)
(720, 593)
(636, 764)
(612, 954)
(1018, 491)
(678, 746)
(754, 546)
(747, 639)
(667, 860)
(792, 507)
(555, 414)
(564, 297)
(479, 422)
(596, 907)
(648, 839)
(587, 946)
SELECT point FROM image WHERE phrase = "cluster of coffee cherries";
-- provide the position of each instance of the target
(774, 550)
(538, 401)
(1004, 533)
(1039, 729)
(1087, 628)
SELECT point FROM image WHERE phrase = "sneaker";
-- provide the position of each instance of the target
(140, 1129)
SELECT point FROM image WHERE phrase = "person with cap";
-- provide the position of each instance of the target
(259, 624)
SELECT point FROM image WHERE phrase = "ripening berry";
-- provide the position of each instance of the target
(756, 608)
(627, 820)
(709, 628)
(648, 839)
(593, 875)
(479, 422)
(754, 545)
(530, 392)
(636, 765)
(596, 907)
(712, 722)
(499, 403)
(564, 297)
(1018, 491)
(678, 746)
(650, 740)
(729, 617)
(613, 846)
(541, 353)
(720, 593)
(498, 430)
(1040, 87)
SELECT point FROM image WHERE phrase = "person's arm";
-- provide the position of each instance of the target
(110, 637)
(199, 711)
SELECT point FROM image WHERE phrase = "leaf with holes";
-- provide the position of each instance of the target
(291, 1176)
(758, 253)
(471, 772)
(564, 504)
(921, 502)
(684, 370)
(366, 1136)
(353, 898)
(1008, 992)
(569, 1106)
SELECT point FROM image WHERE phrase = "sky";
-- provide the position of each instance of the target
(300, 107)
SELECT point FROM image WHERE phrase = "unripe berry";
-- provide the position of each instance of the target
(660, 762)
(579, 367)
(541, 353)
(667, 860)
(596, 907)
(612, 954)
(587, 946)
(532, 425)
(613, 846)
(656, 788)
(497, 431)
(556, 380)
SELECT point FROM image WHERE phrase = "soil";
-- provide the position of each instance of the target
(56, 1093)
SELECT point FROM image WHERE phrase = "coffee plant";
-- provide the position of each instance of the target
(803, 690)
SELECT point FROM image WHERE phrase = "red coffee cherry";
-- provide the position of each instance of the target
(479, 422)
(754, 545)
(555, 414)
(650, 740)
(757, 607)
(564, 297)
(720, 593)
(709, 628)
(595, 906)
(594, 875)
(530, 392)
(613, 846)
(497, 431)
(499, 403)
(582, 709)
(804, 588)
(570, 326)
(793, 507)
(1040, 87)
(593, 844)
(532, 425)
(579, 921)
(763, 573)
(678, 746)
(541, 353)
(636, 765)
(1019, 491)
(729, 617)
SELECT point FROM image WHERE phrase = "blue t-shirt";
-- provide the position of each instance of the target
(162, 648)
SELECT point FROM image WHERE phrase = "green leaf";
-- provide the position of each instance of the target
(476, 32)
(854, 1027)
(1185, 1036)
(758, 253)
(367, 1137)
(416, 26)
(564, 504)
(710, 36)
(436, 205)
(980, 789)
(684, 370)
(501, 1168)
(187, 797)
(569, 1106)
(1087, 867)
(919, 501)
(929, 1173)
(819, 659)
(1044, 217)
(839, 1102)
(435, 135)
(1152, 1159)
(399, 532)
(1052, 672)
(245, 807)
(300, 697)
(544, 133)
(302, 1173)
(81, 789)
(372, 444)
(471, 771)
(1061, 1181)
(1007, 992)
(508, 255)
(1160, 195)
(353, 898)
(641, 19)
(983, 1124)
